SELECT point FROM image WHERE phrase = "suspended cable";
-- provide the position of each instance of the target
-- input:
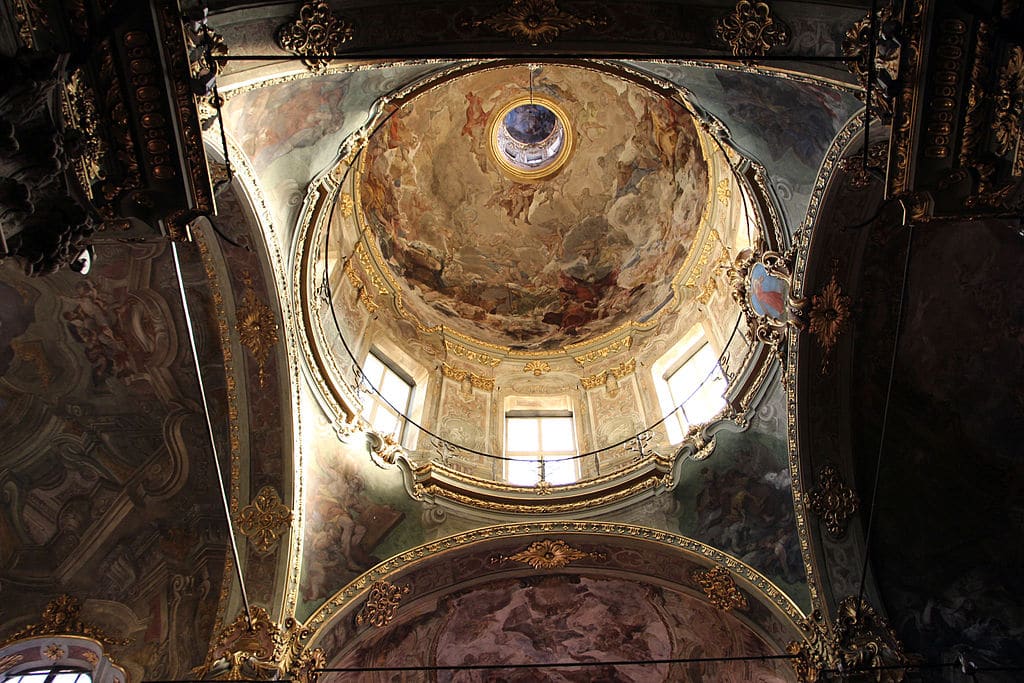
(885, 406)
(552, 665)
(209, 431)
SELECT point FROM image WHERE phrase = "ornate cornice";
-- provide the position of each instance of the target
(61, 618)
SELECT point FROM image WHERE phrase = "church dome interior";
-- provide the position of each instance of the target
(519, 340)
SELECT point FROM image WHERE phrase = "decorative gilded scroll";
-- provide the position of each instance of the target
(859, 640)
(61, 617)
(1009, 109)
(475, 380)
(859, 177)
(535, 21)
(547, 554)
(254, 647)
(751, 30)
(314, 34)
(381, 604)
(857, 54)
(833, 501)
(264, 520)
(720, 588)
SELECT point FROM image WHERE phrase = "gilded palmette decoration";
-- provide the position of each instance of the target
(547, 554)
(537, 367)
(829, 317)
(751, 29)
(314, 34)
(257, 329)
(720, 588)
(535, 21)
(264, 520)
(381, 604)
(833, 501)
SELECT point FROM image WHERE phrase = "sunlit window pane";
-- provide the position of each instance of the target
(549, 439)
(394, 389)
(558, 471)
(523, 435)
(698, 386)
(522, 471)
(556, 435)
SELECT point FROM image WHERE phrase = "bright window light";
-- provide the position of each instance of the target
(533, 440)
(395, 389)
(51, 675)
(699, 387)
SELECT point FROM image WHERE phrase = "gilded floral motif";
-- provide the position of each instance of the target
(829, 316)
(535, 21)
(751, 30)
(833, 501)
(54, 652)
(315, 34)
(257, 329)
(547, 554)
(381, 604)
(720, 588)
(264, 520)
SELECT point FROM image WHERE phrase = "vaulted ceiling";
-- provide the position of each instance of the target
(879, 421)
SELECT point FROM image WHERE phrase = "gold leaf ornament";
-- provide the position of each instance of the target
(257, 329)
(381, 604)
(547, 554)
(720, 588)
(535, 21)
(751, 30)
(264, 520)
(315, 33)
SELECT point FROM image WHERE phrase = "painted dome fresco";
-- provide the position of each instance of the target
(533, 207)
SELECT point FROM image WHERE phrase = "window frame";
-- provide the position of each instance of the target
(540, 455)
(663, 369)
(376, 401)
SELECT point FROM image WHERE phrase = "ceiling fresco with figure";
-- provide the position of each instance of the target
(535, 265)
(103, 494)
(291, 131)
(569, 618)
(784, 124)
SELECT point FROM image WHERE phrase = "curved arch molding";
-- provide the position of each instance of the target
(445, 566)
